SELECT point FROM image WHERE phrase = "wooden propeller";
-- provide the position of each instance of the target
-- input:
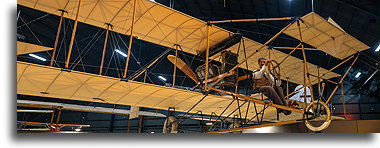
(183, 67)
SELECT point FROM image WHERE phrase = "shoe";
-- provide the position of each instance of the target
(280, 110)
(292, 103)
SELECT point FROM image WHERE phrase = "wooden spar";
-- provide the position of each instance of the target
(140, 124)
(104, 50)
(145, 75)
(34, 111)
(42, 123)
(287, 88)
(245, 53)
(218, 76)
(258, 126)
(207, 55)
(146, 68)
(323, 88)
(344, 102)
(175, 64)
(319, 85)
(35, 129)
(306, 69)
(73, 36)
(129, 126)
(57, 37)
(252, 20)
(338, 65)
(211, 59)
(341, 80)
(52, 117)
(287, 96)
(258, 100)
(243, 77)
(292, 48)
(246, 58)
(322, 78)
(335, 68)
(130, 40)
(59, 115)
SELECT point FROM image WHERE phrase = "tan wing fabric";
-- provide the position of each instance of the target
(25, 48)
(326, 36)
(291, 67)
(161, 25)
(153, 22)
(39, 80)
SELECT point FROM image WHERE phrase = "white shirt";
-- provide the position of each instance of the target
(258, 74)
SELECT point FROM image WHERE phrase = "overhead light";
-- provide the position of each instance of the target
(152, 132)
(152, 0)
(209, 123)
(378, 48)
(122, 53)
(37, 57)
(78, 129)
(162, 78)
(358, 74)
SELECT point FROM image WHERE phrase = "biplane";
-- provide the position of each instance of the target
(215, 97)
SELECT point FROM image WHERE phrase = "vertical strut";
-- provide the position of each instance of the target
(129, 126)
(104, 49)
(130, 40)
(344, 102)
(175, 64)
(287, 88)
(73, 36)
(57, 37)
(140, 123)
(306, 70)
(207, 54)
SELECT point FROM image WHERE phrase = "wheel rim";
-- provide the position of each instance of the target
(322, 116)
(170, 125)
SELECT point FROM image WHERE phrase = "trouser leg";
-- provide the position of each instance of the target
(272, 94)
(280, 93)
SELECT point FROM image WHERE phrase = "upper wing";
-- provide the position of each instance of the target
(162, 25)
(153, 22)
(326, 35)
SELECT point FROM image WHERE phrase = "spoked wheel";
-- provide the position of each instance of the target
(274, 68)
(170, 125)
(318, 116)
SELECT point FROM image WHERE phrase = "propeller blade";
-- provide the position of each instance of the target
(183, 67)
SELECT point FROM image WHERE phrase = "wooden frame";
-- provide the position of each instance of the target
(307, 81)
(57, 37)
(73, 36)
(130, 41)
